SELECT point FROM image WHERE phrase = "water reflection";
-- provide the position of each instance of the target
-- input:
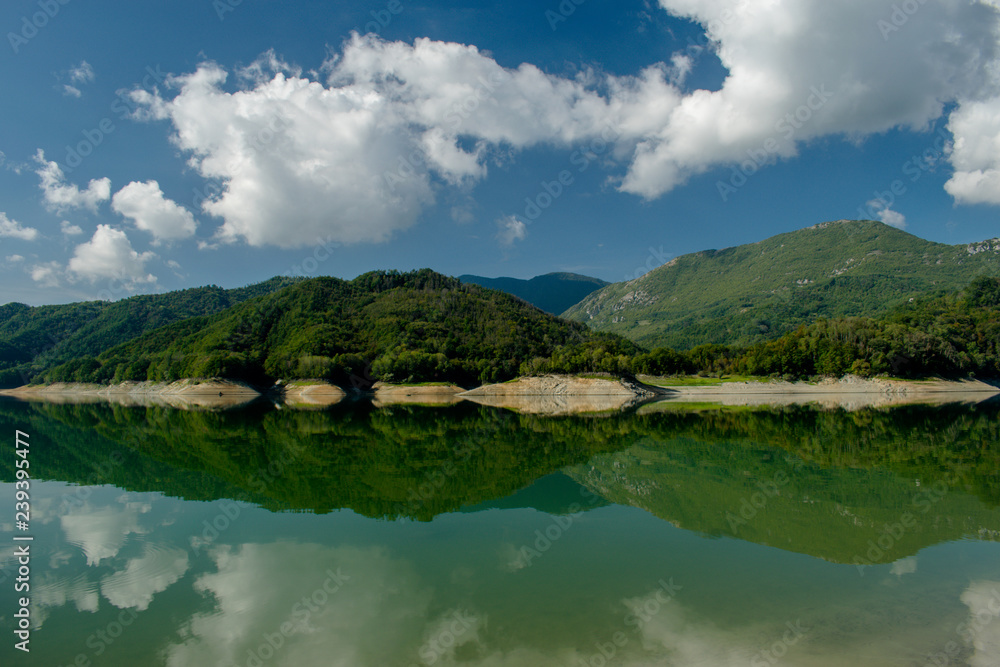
(620, 540)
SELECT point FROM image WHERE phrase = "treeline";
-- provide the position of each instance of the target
(396, 327)
(422, 327)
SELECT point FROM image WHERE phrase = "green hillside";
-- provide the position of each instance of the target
(396, 327)
(33, 340)
(760, 291)
(554, 292)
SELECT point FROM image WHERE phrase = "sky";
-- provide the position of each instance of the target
(148, 147)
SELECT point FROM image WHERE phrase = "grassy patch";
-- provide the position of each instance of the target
(697, 381)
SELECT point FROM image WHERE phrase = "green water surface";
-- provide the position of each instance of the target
(468, 535)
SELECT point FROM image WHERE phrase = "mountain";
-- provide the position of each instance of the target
(35, 339)
(554, 292)
(390, 326)
(763, 290)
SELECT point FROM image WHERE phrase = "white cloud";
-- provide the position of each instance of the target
(975, 156)
(69, 229)
(82, 73)
(14, 259)
(358, 156)
(13, 229)
(109, 254)
(145, 205)
(800, 69)
(886, 214)
(47, 274)
(511, 230)
(79, 75)
(60, 196)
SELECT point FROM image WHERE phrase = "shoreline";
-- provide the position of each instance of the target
(548, 394)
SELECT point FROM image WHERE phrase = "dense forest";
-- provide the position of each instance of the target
(33, 340)
(397, 327)
(425, 327)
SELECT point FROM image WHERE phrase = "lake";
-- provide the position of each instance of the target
(469, 535)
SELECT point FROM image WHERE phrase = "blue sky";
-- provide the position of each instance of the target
(154, 146)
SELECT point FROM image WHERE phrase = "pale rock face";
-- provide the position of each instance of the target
(992, 245)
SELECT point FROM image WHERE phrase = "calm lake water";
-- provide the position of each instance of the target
(475, 536)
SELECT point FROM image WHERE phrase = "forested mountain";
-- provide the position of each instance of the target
(35, 339)
(390, 326)
(760, 291)
(554, 292)
(955, 334)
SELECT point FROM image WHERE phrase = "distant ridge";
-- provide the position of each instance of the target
(762, 290)
(553, 292)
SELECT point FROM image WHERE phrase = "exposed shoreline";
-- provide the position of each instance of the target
(213, 393)
(549, 394)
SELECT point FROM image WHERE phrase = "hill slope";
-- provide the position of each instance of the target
(762, 290)
(35, 339)
(391, 326)
(554, 292)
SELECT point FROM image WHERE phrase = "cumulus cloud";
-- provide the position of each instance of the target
(14, 259)
(13, 229)
(359, 155)
(69, 229)
(976, 152)
(511, 230)
(109, 254)
(47, 274)
(886, 214)
(148, 209)
(60, 196)
(800, 69)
